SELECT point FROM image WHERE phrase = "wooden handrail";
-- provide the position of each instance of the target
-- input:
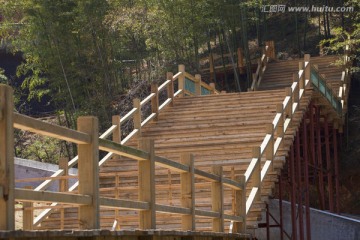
(89, 144)
(275, 131)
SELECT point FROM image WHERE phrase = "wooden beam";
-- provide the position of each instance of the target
(147, 218)
(47, 129)
(7, 216)
(50, 197)
(88, 172)
(217, 200)
(64, 182)
(187, 181)
(132, 153)
(123, 204)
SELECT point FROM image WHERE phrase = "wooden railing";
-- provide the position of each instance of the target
(136, 114)
(268, 52)
(88, 146)
(275, 131)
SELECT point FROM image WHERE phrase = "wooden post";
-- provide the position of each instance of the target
(187, 181)
(288, 109)
(170, 87)
(308, 68)
(155, 101)
(28, 214)
(302, 79)
(63, 186)
(280, 127)
(296, 95)
(269, 152)
(217, 199)
(240, 206)
(181, 80)
(137, 116)
(147, 218)
(116, 136)
(197, 85)
(7, 209)
(212, 85)
(256, 178)
(88, 172)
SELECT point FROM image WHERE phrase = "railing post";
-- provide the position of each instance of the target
(240, 206)
(302, 79)
(63, 186)
(212, 85)
(147, 218)
(307, 68)
(187, 181)
(170, 87)
(28, 214)
(116, 136)
(288, 109)
(256, 178)
(270, 148)
(296, 96)
(197, 85)
(137, 116)
(240, 60)
(181, 80)
(155, 100)
(217, 199)
(88, 172)
(7, 209)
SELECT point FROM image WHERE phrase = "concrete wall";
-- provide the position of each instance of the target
(33, 169)
(324, 225)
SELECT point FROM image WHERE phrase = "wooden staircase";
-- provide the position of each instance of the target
(219, 130)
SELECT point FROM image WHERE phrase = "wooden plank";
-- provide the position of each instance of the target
(204, 213)
(206, 175)
(50, 197)
(217, 200)
(149, 118)
(123, 204)
(88, 172)
(146, 179)
(7, 216)
(178, 92)
(239, 208)
(51, 130)
(187, 181)
(132, 153)
(173, 209)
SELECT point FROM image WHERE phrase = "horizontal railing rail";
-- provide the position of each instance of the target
(88, 198)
